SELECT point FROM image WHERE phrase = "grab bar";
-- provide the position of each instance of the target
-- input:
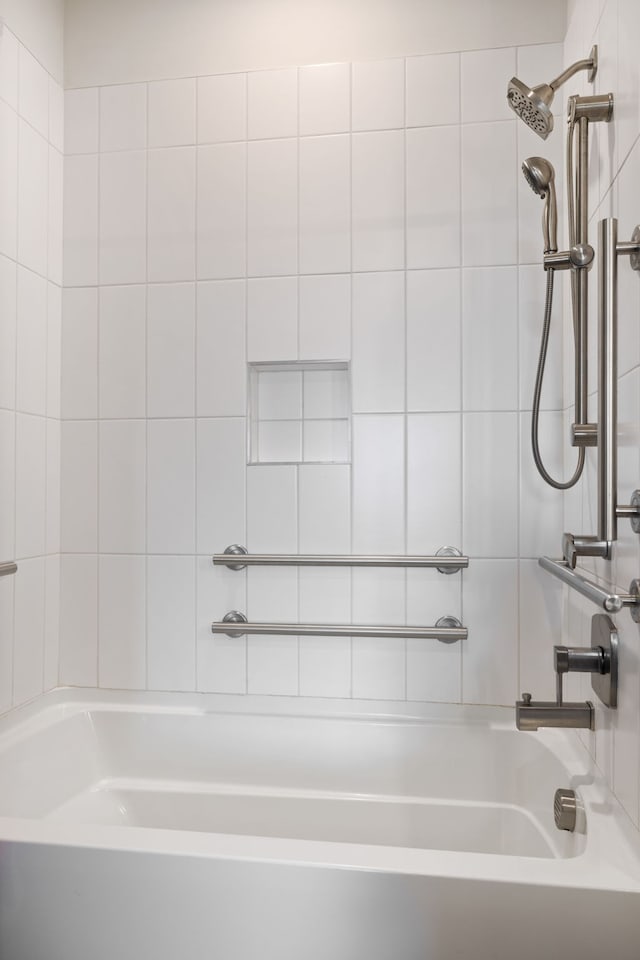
(6, 569)
(234, 624)
(607, 601)
(446, 560)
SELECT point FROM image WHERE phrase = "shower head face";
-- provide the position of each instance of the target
(532, 105)
(539, 174)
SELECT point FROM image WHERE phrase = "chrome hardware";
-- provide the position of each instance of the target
(634, 609)
(597, 109)
(584, 434)
(533, 104)
(574, 547)
(631, 511)
(600, 660)
(234, 616)
(446, 560)
(6, 569)
(540, 176)
(607, 601)
(451, 552)
(447, 629)
(634, 254)
(565, 809)
(450, 623)
(533, 714)
(604, 640)
(609, 250)
(235, 550)
(579, 257)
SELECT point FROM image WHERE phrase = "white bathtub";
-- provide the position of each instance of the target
(171, 828)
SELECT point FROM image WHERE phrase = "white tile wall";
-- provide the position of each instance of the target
(425, 75)
(378, 200)
(222, 108)
(325, 99)
(123, 117)
(8, 180)
(433, 197)
(122, 215)
(378, 95)
(31, 191)
(172, 113)
(8, 323)
(222, 211)
(171, 336)
(171, 647)
(433, 340)
(272, 198)
(325, 207)
(171, 236)
(378, 342)
(121, 352)
(122, 622)
(122, 486)
(221, 349)
(336, 212)
(490, 338)
(272, 104)
(489, 205)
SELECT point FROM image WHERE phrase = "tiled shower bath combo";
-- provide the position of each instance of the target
(295, 584)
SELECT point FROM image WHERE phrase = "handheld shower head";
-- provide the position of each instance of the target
(533, 104)
(540, 176)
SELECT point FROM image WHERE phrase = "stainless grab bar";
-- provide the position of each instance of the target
(6, 569)
(235, 624)
(235, 557)
(607, 601)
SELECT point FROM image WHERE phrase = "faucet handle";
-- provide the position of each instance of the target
(526, 699)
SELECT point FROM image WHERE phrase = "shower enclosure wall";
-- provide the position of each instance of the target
(340, 212)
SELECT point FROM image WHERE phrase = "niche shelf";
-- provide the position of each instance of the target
(299, 412)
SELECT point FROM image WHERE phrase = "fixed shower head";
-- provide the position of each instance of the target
(533, 104)
(540, 176)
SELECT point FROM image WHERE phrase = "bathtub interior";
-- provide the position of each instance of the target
(475, 787)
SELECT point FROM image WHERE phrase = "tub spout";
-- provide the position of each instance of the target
(532, 714)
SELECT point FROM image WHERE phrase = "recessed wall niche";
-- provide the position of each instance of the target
(299, 412)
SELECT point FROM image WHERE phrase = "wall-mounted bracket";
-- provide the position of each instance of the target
(632, 249)
(631, 511)
(604, 640)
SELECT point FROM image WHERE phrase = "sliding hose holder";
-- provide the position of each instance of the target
(579, 257)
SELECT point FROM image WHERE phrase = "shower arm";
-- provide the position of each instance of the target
(590, 64)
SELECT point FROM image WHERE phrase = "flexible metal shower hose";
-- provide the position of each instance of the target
(537, 394)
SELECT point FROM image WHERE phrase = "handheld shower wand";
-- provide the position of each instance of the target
(540, 176)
